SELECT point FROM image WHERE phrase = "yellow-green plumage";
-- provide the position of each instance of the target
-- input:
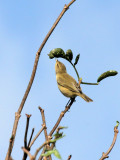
(67, 84)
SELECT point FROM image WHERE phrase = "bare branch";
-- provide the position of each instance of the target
(31, 136)
(45, 129)
(105, 155)
(26, 130)
(44, 123)
(37, 136)
(32, 78)
(11, 141)
(25, 137)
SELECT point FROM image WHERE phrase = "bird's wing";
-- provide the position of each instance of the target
(68, 82)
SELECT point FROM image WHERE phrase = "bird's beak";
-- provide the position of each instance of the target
(56, 59)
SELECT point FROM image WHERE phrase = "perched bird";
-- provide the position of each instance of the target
(67, 84)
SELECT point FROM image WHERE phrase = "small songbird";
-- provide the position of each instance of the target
(67, 84)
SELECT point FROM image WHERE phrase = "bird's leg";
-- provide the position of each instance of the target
(68, 103)
(71, 100)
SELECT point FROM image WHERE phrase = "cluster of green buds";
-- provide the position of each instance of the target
(59, 53)
(56, 53)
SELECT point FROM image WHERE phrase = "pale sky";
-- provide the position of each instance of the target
(89, 27)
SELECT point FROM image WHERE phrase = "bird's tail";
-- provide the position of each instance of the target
(86, 98)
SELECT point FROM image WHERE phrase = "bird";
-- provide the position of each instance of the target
(67, 84)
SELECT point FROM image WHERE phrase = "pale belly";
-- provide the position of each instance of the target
(66, 92)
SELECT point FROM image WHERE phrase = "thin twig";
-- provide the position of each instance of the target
(32, 79)
(75, 70)
(37, 136)
(44, 122)
(59, 128)
(69, 157)
(26, 130)
(45, 129)
(31, 136)
(90, 83)
(105, 155)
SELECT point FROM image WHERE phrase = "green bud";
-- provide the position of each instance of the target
(117, 123)
(51, 56)
(57, 52)
(107, 74)
(69, 54)
(77, 59)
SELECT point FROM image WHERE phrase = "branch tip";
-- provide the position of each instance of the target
(41, 110)
(28, 115)
(105, 155)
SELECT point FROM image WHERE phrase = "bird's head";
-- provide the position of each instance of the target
(60, 67)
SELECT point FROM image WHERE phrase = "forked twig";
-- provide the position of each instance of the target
(33, 157)
(25, 137)
(27, 148)
(105, 155)
(11, 143)
(45, 128)
(26, 130)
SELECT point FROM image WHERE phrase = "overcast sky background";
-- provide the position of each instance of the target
(89, 27)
